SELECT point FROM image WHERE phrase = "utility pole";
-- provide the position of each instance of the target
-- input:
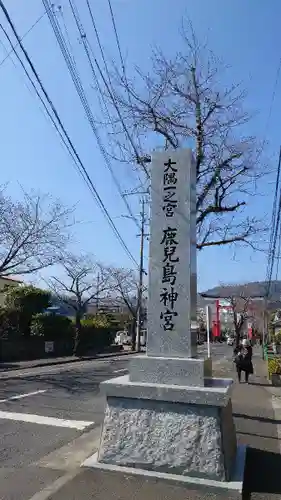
(263, 332)
(98, 294)
(142, 235)
(142, 161)
(141, 271)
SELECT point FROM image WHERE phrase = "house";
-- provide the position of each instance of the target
(5, 283)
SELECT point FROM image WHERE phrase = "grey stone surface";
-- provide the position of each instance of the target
(157, 485)
(165, 437)
(217, 394)
(228, 433)
(172, 371)
(181, 341)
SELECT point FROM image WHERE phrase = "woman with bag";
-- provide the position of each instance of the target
(243, 360)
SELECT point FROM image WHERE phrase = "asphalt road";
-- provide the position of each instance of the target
(43, 409)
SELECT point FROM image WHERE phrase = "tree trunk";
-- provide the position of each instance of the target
(77, 332)
(134, 333)
(237, 337)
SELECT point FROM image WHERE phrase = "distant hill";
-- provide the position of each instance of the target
(252, 289)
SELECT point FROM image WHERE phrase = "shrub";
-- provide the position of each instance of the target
(98, 320)
(274, 366)
(9, 323)
(277, 338)
(51, 327)
(93, 338)
(28, 301)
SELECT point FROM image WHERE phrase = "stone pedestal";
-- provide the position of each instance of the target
(173, 428)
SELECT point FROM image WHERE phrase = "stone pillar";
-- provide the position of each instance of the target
(172, 293)
(169, 415)
(172, 260)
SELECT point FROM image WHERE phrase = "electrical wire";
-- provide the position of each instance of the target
(72, 68)
(110, 89)
(119, 50)
(278, 257)
(67, 141)
(83, 98)
(104, 62)
(98, 40)
(273, 217)
(23, 36)
(275, 227)
(271, 106)
(123, 70)
(116, 36)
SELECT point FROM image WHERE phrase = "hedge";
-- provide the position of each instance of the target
(51, 327)
(96, 339)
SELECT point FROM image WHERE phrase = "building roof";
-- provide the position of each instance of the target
(8, 278)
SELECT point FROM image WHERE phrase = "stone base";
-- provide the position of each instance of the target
(172, 371)
(184, 484)
(169, 429)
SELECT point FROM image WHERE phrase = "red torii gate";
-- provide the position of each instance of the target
(216, 324)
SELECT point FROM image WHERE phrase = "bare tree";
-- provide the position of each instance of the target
(244, 307)
(125, 290)
(83, 281)
(240, 311)
(184, 99)
(33, 233)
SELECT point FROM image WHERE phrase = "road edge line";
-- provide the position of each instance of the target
(54, 487)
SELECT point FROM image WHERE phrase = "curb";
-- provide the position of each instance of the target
(68, 361)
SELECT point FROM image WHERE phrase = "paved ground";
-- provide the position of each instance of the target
(43, 409)
(257, 424)
(50, 420)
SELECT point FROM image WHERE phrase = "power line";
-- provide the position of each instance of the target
(140, 160)
(122, 66)
(71, 65)
(85, 102)
(270, 108)
(273, 93)
(108, 84)
(273, 217)
(275, 227)
(98, 39)
(278, 256)
(23, 36)
(117, 38)
(67, 140)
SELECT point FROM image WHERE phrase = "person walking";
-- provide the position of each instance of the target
(243, 354)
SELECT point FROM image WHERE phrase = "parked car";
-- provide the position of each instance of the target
(127, 339)
(122, 338)
(143, 335)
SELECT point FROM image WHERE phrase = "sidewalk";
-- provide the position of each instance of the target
(36, 363)
(256, 427)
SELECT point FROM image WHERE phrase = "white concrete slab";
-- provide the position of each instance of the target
(235, 485)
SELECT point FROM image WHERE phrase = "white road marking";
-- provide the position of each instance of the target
(73, 454)
(21, 396)
(51, 489)
(79, 425)
(121, 370)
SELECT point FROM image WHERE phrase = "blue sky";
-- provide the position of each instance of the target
(246, 34)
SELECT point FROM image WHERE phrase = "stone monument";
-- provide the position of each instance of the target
(169, 417)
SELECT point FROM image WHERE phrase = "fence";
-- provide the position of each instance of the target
(24, 349)
(32, 348)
